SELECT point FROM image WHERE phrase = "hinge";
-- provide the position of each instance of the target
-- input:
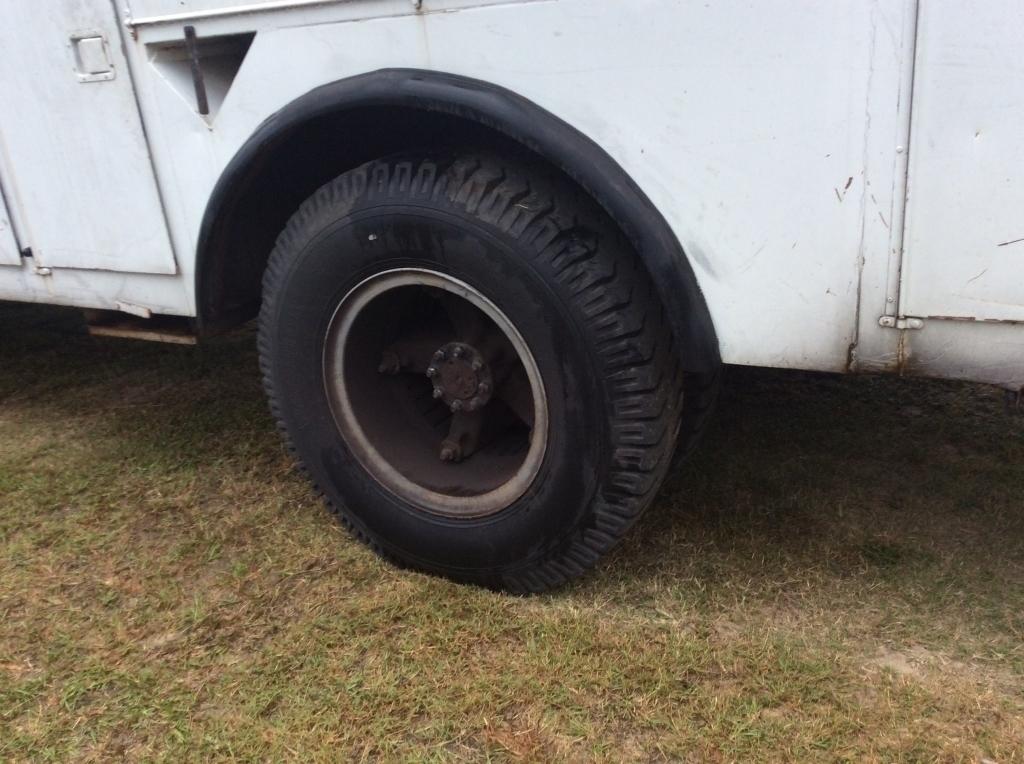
(891, 322)
(39, 270)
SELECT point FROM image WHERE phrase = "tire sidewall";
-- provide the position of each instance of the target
(343, 249)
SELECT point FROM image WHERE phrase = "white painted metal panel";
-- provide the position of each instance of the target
(9, 252)
(979, 351)
(965, 233)
(747, 126)
(145, 10)
(142, 13)
(78, 160)
(887, 132)
(767, 134)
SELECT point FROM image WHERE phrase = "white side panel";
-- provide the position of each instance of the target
(888, 133)
(965, 235)
(9, 252)
(150, 9)
(142, 13)
(748, 126)
(79, 165)
(95, 289)
(974, 350)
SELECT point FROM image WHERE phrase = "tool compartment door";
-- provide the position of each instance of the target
(964, 241)
(80, 170)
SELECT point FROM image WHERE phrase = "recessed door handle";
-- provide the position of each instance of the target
(92, 58)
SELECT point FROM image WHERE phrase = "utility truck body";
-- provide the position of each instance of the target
(833, 186)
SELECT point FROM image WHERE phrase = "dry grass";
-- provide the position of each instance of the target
(839, 575)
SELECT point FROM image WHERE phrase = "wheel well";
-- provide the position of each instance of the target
(280, 179)
(341, 125)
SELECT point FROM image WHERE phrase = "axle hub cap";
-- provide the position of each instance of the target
(404, 392)
(461, 377)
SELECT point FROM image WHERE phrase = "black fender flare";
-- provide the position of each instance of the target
(518, 119)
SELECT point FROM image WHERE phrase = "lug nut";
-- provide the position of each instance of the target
(390, 363)
(439, 356)
(484, 388)
(431, 371)
(456, 406)
(477, 365)
(457, 352)
(471, 404)
(438, 392)
(451, 451)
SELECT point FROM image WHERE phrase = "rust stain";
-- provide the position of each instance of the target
(902, 354)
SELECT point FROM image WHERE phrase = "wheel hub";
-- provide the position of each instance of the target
(475, 446)
(461, 376)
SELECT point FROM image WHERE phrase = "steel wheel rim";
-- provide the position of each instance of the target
(345, 390)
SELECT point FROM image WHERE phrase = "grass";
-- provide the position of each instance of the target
(838, 575)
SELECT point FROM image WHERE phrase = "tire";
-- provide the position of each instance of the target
(388, 252)
(700, 398)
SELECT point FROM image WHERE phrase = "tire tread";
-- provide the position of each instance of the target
(595, 271)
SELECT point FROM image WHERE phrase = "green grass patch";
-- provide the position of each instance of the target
(837, 575)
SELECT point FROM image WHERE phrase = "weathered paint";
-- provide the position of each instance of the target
(9, 253)
(76, 153)
(966, 181)
(991, 351)
(775, 140)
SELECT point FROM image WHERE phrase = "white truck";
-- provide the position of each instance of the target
(500, 248)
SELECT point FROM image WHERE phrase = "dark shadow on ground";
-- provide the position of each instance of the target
(808, 478)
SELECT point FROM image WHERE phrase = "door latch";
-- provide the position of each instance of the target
(891, 322)
(92, 57)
